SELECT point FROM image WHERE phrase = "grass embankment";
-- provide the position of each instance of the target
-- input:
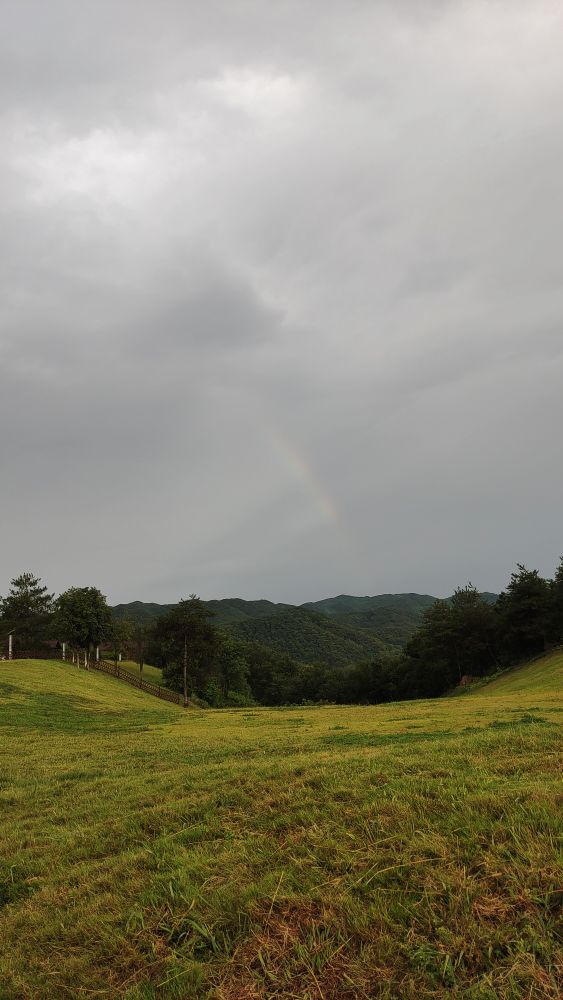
(400, 851)
(151, 674)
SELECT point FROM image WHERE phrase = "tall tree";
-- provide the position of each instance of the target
(188, 645)
(474, 632)
(26, 610)
(456, 637)
(142, 634)
(83, 618)
(123, 635)
(233, 671)
(523, 611)
(555, 615)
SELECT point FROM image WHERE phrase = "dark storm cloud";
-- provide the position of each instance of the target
(281, 295)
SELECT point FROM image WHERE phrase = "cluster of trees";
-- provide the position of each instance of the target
(468, 637)
(80, 617)
(464, 636)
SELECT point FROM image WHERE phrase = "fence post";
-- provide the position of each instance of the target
(10, 646)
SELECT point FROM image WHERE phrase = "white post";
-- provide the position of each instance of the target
(120, 657)
(10, 646)
(64, 650)
(97, 653)
(85, 660)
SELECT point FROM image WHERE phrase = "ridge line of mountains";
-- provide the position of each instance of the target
(336, 631)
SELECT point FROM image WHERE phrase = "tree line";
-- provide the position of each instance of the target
(464, 637)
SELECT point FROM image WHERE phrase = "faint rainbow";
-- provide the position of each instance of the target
(301, 468)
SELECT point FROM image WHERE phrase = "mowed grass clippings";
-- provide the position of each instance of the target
(398, 851)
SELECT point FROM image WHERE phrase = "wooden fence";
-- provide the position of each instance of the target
(106, 667)
(122, 674)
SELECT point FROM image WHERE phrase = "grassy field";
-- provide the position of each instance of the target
(401, 851)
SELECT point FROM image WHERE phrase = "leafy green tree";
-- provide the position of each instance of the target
(456, 637)
(371, 682)
(26, 611)
(188, 644)
(474, 632)
(233, 671)
(429, 652)
(523, 611)
(83, 618)
(274, 677)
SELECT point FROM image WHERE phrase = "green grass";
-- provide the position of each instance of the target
(399, 851)
(152, 674)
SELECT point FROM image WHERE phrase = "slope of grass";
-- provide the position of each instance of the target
(152, 674)
(543, 676)
(401, 851)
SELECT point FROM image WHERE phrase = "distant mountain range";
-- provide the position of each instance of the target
(337, 630)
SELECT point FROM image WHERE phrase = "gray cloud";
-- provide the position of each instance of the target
(281, 295)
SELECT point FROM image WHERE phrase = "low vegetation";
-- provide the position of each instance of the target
(397, 851)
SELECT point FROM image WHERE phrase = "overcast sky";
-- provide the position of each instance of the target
(282, 295)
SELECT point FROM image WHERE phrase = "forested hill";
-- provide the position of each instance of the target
(235, 609)
(309, 637)
(141, 612)
(391, 617)
(226, 611)
(346, 604)
(368, 622)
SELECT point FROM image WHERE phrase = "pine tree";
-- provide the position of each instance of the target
(555, 628)
(188, 645)
(26, 611)
(524, 612)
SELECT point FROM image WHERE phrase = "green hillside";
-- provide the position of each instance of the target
(235, 609)
(406, 850)
(309, 637)
(140, 611)
(544, 676)
(392, 618)
(225, 611)
(346, 604)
